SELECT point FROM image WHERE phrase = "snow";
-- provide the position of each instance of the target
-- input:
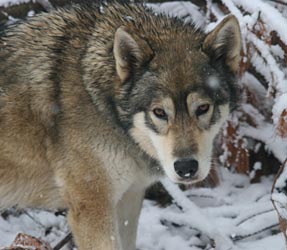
(279, 197)
(281, 180)
(263, 55)
(279, 106)
(267, 243)
(276, 74)
(234, 210)
(236, 214)
(271, 15)
(257, 166)
(267, 134)
(186, 10)
(6, 3)
(35, 223)
(213, 82)
(31, 13)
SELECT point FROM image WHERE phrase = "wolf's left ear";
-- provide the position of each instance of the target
(130, 52)
(224, 42)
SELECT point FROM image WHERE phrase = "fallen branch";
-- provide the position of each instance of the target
(242, 237)
(279, 198)
(253, 216)
(196, 218)
(68, 238)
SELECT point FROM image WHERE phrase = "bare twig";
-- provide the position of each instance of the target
(201, 196)
(33, 219)
(198, 219)
(63, 242)
(279, 2)
(242, 237)
(254, 215)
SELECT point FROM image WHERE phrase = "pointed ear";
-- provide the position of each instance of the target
(130, 53)
(224, 42)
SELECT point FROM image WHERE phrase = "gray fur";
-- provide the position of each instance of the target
(78, 89)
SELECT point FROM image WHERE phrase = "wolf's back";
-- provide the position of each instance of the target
(31, 50)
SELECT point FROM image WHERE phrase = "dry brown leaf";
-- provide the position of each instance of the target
(282, 125)
(27, 242)
(238, 156)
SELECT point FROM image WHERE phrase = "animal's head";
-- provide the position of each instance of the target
(176, 91)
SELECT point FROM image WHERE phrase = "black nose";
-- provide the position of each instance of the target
(186, 168)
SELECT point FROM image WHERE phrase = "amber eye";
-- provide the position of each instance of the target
(202, 109)
(160, 113)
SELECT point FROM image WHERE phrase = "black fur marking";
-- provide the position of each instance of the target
(55, 77)
(150, 124)
(215, 115)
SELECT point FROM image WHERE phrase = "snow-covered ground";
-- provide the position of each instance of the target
(236, 210)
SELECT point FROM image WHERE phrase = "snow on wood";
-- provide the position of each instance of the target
(195, 218)
(236, 210)
(6, 3)
(279, 198)
(267, 134)
(28, 242)
(186, 10)
(235, 214)
(271, 16)
(49, 226)
(261, 24)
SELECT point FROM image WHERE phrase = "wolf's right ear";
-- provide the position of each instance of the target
(224, 42)
(130, 52)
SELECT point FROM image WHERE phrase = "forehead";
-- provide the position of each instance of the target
(185, 71)
(181, 62)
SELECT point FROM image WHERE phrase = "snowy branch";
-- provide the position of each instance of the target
(196, 218)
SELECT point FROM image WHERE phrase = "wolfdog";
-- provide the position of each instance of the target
(97, 103)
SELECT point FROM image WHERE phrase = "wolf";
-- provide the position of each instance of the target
(97, 103)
